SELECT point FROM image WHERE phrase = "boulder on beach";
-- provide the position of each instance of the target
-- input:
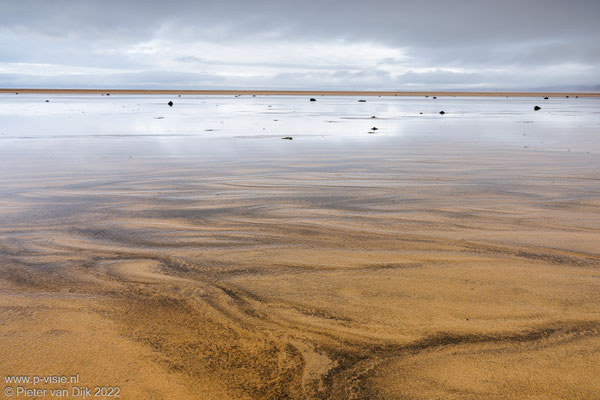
(536, 108)
(287, 138)
(170, 103)
(442, 112)
(313, 99)
(362, 101)
(374, 128)
(546, 98)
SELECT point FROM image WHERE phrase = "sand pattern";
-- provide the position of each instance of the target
(460, 272)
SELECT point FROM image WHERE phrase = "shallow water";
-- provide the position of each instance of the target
(121, 134)
(148, 122)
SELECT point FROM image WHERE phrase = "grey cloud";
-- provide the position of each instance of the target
(512, 36)
(190, 59)
(433, 23)
(154, 79)
(439, 77)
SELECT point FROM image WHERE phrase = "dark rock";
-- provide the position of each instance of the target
(287, 138)
(47, 101)
(442, 112)
(421, 113)
(434, 97)
(374, 128)
(373, 117)
(170, 103)
(362, 101)
(546, 98)
(108, 94)
(536, 108)
(313, 99)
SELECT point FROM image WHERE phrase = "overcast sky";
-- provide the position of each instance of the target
(301, 44)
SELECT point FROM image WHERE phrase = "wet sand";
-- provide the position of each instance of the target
(199, 256)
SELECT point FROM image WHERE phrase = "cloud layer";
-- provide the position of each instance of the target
(388, 45)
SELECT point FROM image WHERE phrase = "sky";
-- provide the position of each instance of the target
(302, 44)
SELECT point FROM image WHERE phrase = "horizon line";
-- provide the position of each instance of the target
(299, 92)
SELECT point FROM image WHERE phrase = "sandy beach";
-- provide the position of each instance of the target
(189, 252)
